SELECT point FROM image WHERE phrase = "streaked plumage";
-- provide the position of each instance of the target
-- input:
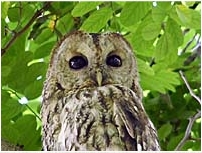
(97, 106)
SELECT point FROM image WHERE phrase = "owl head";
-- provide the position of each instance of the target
(91, 60)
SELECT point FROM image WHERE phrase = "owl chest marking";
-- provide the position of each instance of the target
(88, 121)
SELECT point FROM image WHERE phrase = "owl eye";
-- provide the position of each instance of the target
(114, 61)
(78, 62)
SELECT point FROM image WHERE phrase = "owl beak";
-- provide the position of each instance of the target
(99, 78)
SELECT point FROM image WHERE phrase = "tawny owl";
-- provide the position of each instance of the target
(92, 97)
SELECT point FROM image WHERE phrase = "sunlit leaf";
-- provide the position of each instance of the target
(160, 11)
(139, 44)
(161, 81)
(4, 9)
(169, 42)
(84, 7)
(144, 68)
(151, 31)
(97, 20)
(189, 17)
(133, 12)
(164, 131)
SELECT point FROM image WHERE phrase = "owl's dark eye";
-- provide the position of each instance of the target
(78, 62)
(114, 61)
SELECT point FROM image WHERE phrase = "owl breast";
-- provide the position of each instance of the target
(95, 119)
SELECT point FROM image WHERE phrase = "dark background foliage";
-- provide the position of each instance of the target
(165, 37)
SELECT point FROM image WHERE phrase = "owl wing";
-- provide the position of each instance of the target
(138, 125)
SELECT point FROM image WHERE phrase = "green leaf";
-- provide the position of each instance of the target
(168, 43)
(7, 63)
(34, 89)
(26, 12)
(19, 70)
(121, 3)
(172, 144)
(5, 70)
(44, 50)
(187, 37)
(151, 31)
(44, 35)
(97, 20)
(165, 47)
(29, 135)
(35, 70)
(175, 31)
(151, 83)
(189, 17)
(166, 6)
(4, 9)
(14, 14)
(158, 14)
(164, 131)
(188, 145)
(18, 46)
(160, 11)
(173, 15)
(84, 7)
(9, 107)
(189, 3)
(22, 125)
(186, 114)
(162, 80)
(3, 31)
(140, 45)
(169, 77)
(66, 23)
(133, 12)
(35, 105)
(61, 7)
(144, 68)
(10, 133)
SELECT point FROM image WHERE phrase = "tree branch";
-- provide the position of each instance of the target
(17, 34)
(196, 51)
(192, 119)
(188, 44)
(189, 88)
(188, 130)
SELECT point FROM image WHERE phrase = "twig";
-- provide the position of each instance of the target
(188, 44)
(196, 51)
(195, 139)
(17, 34)
(192, 119)
(32, 111)
(189, 88)
(188, 130)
